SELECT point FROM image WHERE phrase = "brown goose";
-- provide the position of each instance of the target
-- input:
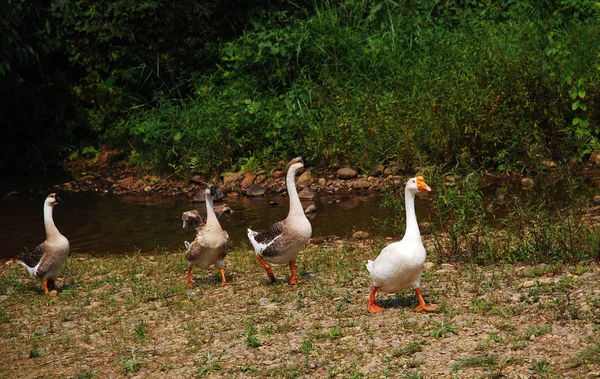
(210, 245)
(45, 261)
(281, 242)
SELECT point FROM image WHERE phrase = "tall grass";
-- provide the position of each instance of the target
(379, 82)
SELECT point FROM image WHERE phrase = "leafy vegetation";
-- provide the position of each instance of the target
(480, 84)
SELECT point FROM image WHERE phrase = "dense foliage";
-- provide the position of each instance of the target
(196, 86)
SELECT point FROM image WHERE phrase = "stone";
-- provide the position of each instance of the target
(306, 194)
(305, 178)
(260, 179)
(596, 199)
(198, 179)
(549, 163)
(255, 190)
(447, 266)
(323, 182)
(147, 189)
(310, 209)
(361, 184)
(231, 178)
(278, 174)
(595, 158)
(527, 183)
(127, 182)
(346, 173)
(428, 266)
(360, 235)
(248, 179)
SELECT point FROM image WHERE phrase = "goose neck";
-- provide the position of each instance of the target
(211, 217)
(295, 205)
(412, 227)
(51, 229)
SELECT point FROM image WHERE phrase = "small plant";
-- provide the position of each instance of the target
(130, 363)
(542, 369)
(413, 374)
(408, 350)
(35, 353)
(478, 361)
(534, 331)
(252, 339)
(335, 333)
(210, 363)
(3, 317)
(307, 346)
(587, 356)
(443, 330)
(494, 337)
(140, 331)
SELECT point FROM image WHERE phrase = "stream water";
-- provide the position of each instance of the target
(98, 223)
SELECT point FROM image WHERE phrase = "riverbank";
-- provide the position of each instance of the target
(132, 316)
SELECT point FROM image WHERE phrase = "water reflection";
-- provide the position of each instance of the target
(102, 223)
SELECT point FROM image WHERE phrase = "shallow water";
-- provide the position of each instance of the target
(98, 223)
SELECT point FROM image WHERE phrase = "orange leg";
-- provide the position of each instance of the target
(266, 266)
(223, 280)
(293, 279)
(374, 307)
(49, 292)
(422, 306)
(189, 281)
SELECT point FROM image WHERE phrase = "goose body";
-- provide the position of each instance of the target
(400, 264)
(211, 242)
(281, 242)
(45, 262)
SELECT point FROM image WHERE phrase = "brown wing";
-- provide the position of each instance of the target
(192, 218)
(33, 257)
(270, 236)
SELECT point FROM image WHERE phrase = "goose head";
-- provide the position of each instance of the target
(417, 184)
(297, 164)
(53, 199)
(214, 192)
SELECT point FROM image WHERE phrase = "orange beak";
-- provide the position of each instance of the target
(421, 185)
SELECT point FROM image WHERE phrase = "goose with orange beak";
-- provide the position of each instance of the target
(400, 264)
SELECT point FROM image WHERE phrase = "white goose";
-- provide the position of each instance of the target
(400, 264)
(46, 260)
(210, 246)
(281, 242)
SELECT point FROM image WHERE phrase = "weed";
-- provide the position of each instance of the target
(413, 374)
(587, 356)
(307, 346)
(408, 350)
(209, 364)
(495, 337)
(252, 339)
(477, 361)
(535, 331)
(335, 333)
(444, 329)
(130, 363)
(140, 331)
(35, 353)
(542, 369)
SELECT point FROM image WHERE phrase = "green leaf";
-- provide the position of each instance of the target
(581, 93)
(177, 136)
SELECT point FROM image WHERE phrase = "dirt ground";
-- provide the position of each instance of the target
(132, 316)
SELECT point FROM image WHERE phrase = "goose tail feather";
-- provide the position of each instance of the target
(255, 245)
(30, 270)
(370, 266)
